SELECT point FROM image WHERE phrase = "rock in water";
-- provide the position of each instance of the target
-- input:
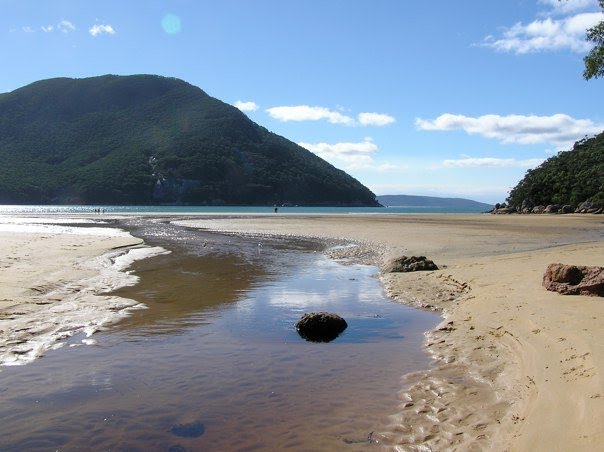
(574, 280)
(320, 326)
(190, 430)
(409, 264)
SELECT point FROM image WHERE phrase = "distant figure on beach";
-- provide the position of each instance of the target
(276, 209)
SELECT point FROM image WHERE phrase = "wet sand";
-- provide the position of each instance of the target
(51, 277)
(519, 368)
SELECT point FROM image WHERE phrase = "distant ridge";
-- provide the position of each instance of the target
(431, 201)
(145, 140)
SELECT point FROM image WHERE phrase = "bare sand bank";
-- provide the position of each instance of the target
(518, 368)
(51, 283)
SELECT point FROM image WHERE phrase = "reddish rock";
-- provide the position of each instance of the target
(574, 280)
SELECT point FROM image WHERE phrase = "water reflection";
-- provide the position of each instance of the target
(217, 349)
(174, 287)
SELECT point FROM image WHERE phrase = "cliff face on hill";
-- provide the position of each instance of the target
(146, 139)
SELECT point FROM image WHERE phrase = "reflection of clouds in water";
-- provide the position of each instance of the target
(297, 299)
(327, 283)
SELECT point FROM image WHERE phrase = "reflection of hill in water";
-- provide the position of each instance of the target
(182, 290)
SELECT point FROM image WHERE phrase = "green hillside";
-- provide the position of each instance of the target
(571, 177)
(146, 139)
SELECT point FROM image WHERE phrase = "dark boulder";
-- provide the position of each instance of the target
(320, 326)
(409, 264)
(574, 280)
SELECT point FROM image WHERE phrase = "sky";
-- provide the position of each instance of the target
(440, 98)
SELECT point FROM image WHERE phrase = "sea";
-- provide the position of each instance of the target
(178, 210)
(214, 361)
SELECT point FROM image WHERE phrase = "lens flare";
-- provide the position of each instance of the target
(171, 24)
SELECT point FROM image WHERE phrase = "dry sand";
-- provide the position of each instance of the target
(517, 367)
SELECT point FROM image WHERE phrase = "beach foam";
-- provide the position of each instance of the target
(65, 295)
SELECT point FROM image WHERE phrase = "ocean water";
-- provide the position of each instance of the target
(52, 210)
(215, 363)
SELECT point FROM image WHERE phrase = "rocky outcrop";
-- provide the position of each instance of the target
(574, 280)
(409, 264)
(528, 208)
(320, 326)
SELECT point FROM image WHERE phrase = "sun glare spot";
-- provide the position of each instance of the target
(171, 24)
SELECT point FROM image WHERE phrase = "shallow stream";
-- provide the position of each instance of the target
(215, 363)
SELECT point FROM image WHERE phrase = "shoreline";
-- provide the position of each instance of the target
(53, 281)
(514, 362)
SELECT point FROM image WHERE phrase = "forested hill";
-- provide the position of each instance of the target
(572, 177)
(145, 139)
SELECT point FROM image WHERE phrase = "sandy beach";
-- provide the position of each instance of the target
(516, 367)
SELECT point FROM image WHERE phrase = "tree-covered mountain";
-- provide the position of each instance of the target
(147, 139)
(431, 201)
(571, 177)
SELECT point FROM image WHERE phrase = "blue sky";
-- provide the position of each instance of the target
(442, 98)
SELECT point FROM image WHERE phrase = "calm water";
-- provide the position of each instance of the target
(215, 362)
(16, 210)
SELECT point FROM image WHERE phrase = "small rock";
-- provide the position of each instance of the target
(409, 264)
(320, 326)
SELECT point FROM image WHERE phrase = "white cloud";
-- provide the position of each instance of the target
(375, 119)
(246, 106)
(344, 151)
(559, 129)
(551, 34)
(390, 167)
(569, 6)
(308, 113)
(470, 162)
(66, 26)
(316, 113)
(48, 28)
(98, 29)
(27, 29)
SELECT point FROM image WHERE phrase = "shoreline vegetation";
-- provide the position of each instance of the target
(513, 362)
